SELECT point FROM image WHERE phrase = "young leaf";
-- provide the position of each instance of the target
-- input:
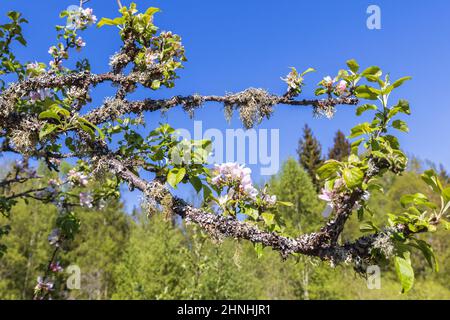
(353, 65)
(405, 272)
(366, 92)
(367, 226)
(428, 253)
(49, 114)
(46, 130)
(196, 183)
(361, 109)
(268, 218)
(446, 194)
(329, 169)
(105, 22)
(400, 125)
(374, 70)
(430, 178)
(353, 177)
(400, 81)
(175, 176)
(360, 129)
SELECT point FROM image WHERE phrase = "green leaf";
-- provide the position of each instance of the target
(430, 177)
(46, 130)
(405, 272)
(269, 218)
(366, 92)
(175, 176)
(375, 187)
(307, 71)
(87, 129)
(196, 183)
(285, 203)
(353, 65)
(400, 81)
(90, 128)
(252, 213)
(207, 192)
(368, 226)
(402, 106)
(446, 194)
(361, 109)
(415, 199)
(156, 84)
(49, 114)
(13, 15)
(106, 22)
(353, 177)
(400, 125)
(329, 169)
(320, 91)
(360, 129)
(152, 10)
(374, 70)
(428, 253)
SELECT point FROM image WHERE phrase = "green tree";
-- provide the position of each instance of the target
(341, 148)
(292, 184)
(164, 261)
(310, 154)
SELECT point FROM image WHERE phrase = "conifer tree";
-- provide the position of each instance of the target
(310, 154)
(341, 148)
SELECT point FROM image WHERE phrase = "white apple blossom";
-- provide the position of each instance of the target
(77, 178)
(54, 237)
(88, 15)
(80, 43)
(44, 285)
(150, 57)
(328, 81)
(86, 200)
(56, 64)
(40, 95)
(237, 176)
(327, 196)
(270, 200)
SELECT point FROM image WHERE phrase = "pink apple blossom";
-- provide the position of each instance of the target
(341, 87)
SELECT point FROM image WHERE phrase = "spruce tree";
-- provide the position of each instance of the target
(310, 154)
(341, 148)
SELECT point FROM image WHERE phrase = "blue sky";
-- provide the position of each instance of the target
(232, 45)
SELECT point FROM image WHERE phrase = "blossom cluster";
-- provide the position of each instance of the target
(331, 196)
(384, 244)
(43, 285)
(79, 43)
(268, 200)
(55, 267)
(54, 239)
(86, 200)
(236, 176)
(329, 83)
(150, 57)
(23, 171)
(293, 80)
(240, 193)
(80, 18)
(40, 95)
(35, 67)
(77, 178)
